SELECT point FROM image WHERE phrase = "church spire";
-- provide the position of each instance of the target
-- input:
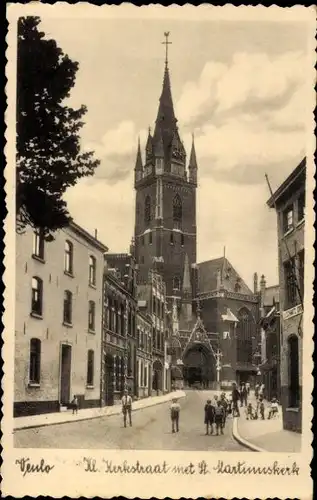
(192, 167)
(138, 161)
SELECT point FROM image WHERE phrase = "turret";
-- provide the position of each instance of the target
(138, 169)
(192, 166)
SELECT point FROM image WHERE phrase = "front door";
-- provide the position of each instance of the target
(66, 359)
(109, 375)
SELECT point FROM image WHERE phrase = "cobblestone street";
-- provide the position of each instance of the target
(151, 430)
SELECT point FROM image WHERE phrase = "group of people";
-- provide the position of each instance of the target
(215, 413)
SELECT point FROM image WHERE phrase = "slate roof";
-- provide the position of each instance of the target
(208, 271)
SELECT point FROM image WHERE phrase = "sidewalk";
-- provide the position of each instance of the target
(88, 414)
(265, 435)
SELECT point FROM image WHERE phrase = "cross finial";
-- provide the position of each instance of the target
(166, 43)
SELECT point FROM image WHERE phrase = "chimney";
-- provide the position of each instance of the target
(255, 283)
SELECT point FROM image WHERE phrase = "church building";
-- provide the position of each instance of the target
(214, 313)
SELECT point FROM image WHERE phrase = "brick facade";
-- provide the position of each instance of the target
(49, 327)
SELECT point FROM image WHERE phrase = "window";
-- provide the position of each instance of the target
(122, 320)
(68, 257)
(35, 361)
(301, 272)
(145, 381)
(288, 219)
(38, 243)
(150, 238)
(142, 240)
(293, 373)
(290, 284)
(172, 239)
(245, 331)
(68, 298)
(37, 296)
(176, 283)
(177, 212)
(90, 367)
(92, 270)
(91, 315)
(301, 206)
(182, 239)
(147, 211)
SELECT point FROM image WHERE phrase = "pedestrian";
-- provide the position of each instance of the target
(175, 411)
(209, 417)
(250, 412)
(247, 385)
(261, 391)
(74, 404)
(235, 398)
(224, 404)
(126, 408)
(256, 391)
(244, 395)
(273, 411)
(219, 418)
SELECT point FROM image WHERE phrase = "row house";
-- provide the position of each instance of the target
(144, 351)
(289, 203)
(119, 357)
(152, 296)
(58, 320)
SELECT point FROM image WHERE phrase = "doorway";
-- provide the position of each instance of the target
(109, 379)
(66, 360)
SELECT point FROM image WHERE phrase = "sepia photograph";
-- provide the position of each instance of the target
(163, 199)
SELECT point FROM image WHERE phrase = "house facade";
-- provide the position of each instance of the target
(58, 336)
(289, 203)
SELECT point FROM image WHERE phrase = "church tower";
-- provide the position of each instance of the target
(165, 214)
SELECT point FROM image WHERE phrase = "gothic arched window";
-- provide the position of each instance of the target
(245, 331)
(177, 212)
(147, 211)
(176, 283)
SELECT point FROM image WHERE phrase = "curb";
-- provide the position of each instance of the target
(93, 417)
(241, 440)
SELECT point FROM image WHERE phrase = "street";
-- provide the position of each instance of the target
(151, 430)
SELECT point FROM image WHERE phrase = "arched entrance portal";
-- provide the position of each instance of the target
(157, 383)
(199, 366)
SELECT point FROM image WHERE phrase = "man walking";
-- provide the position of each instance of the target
(126, 408)
(175, 411)
(235, 399)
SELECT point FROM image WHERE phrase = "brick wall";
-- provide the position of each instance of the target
(50, 329)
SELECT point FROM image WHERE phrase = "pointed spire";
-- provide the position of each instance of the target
(138, 162)
(186, 277)
(193, 158)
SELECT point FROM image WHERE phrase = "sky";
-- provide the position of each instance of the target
(240, 87)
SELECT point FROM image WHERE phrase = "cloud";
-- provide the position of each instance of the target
(255, 78)
(117, 151)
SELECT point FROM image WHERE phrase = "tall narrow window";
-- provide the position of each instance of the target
(90, 367)
(182, 239)
(172, 238)
(147, 211)
(293, 374)
(122, 319)
(68, 257)
(150, 238)
(68, 299)
(35, 361)
(92, 270)
(288, 218)
(37, 296)
(38, 243)
(91, 315)
(245, 331)
(176, 283)
(301, 272)
(177, 212)
(290, 283)
(301, 206)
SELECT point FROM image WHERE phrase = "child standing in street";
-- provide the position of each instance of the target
(273, 408)
(175, 411)
(75, 404)
(209, 416)
(219, 418)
